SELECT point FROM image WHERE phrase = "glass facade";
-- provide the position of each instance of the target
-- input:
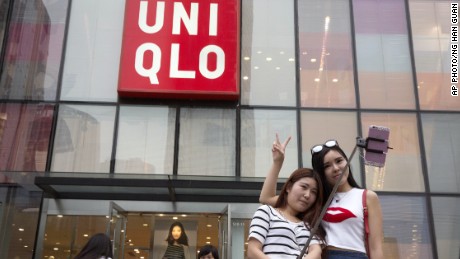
(313, 70)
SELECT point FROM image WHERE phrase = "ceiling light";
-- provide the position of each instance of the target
(335, 80)
(316, 79)
(268, 59)
(246, 58)
(313, 60)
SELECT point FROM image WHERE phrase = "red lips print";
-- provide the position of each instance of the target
(336, 215)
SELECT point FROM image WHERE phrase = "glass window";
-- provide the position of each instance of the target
(318, 127)
(383, 55)
(207, 142)
(326, 54)
(268, 53)
(446, 213)
(19, 221)
(442, 144)
(93, 50)
(258, 131)
(431, 36)
(4, 5)
(70, 233)
(403, 163)
(84, 137)
(405, 227)
(24, 136)
(33, 50)
(145, 140)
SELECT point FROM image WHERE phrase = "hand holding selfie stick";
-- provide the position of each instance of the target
(376, 147)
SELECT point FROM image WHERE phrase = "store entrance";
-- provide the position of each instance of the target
(134, 233)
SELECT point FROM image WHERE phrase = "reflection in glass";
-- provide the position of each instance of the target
(326, 54)
(4, 5)
(405, 227)
(19, 208)
(24, 136)
(446, 213)
(207, 142)
(431, 36)
(33, 50)
(268, 53)
(258, 131)
(66, 235)
(84, 137)
(403, 162)
(383, 55)
(318, 127)
(93, 50)
(442, 144)
(145, 140)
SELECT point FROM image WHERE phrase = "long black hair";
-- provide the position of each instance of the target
(317, 161)
(97, 246)
(183, 239)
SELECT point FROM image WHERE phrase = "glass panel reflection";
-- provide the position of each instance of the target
(258, 131)
(405, 227)
(326, 54)
(145, 140)
(33, 50)
(268, 54)
(431, 36)
(84, 138)
(19, 213)
(403, 162)
(446, 213)
(207, 142)
(24, 136)
(4, 5)
(442, 144)
(383, 56)
(92, 55)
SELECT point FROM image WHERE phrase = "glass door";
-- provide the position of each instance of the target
(225, 234)
(117, 229)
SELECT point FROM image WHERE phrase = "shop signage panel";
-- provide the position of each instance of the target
(180, 49)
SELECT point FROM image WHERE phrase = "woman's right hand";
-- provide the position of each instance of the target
(279, 149)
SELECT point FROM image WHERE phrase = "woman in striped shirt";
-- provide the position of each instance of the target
(177, 243)
(281, 231)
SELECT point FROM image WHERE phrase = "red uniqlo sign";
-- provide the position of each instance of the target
(180, 49)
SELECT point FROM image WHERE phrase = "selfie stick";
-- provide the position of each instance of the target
(369, 145)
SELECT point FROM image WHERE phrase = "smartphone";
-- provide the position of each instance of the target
(376, 146)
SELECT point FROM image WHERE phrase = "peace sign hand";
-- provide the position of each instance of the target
(279, 149)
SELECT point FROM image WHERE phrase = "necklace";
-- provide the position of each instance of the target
(339, 196)
(281, 213)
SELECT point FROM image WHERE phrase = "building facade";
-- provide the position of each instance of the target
(77, 159)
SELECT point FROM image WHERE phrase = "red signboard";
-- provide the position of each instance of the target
(180, 49)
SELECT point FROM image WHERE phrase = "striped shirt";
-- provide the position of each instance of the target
(280, 238)
(174, 252)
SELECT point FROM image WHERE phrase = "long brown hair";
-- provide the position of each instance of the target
(311, 214)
